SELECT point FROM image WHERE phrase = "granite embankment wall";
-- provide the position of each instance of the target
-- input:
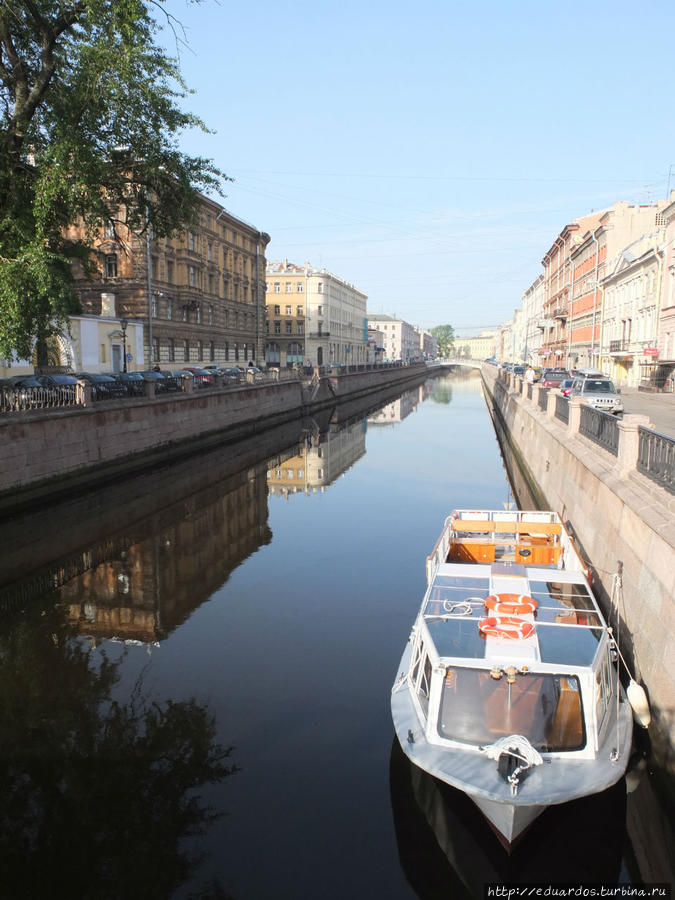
(48, 453)
(616, 514)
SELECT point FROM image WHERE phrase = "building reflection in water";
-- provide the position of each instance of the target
(162, 572)
(318, 461)
(401, 408)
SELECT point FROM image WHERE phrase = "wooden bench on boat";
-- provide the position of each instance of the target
(534, 543)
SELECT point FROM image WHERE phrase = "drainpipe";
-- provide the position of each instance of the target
(595, 291)
(148, 262)
(569, 314)
(258, 346)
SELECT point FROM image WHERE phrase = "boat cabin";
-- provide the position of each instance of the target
(553, 683)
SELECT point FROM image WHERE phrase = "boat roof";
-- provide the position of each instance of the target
(569, 626)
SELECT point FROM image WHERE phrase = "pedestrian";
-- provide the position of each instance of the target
(529, 375)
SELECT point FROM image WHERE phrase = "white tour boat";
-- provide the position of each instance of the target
(508, 688)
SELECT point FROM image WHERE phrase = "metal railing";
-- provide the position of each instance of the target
(23, 399)
(543, 399)
(656, 457)
(562, 408)
(529, 391)
(600, 427)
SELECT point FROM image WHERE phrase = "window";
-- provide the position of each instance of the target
(155, 349)
(299, 311)
(289, 310)
(277, 327)
(200, 350)
(169, 271)
(111, 265)
(289, 287)
(227, 351)
(211, 282)
(186, 351)
(277, 310)
(199, 315)
(277, 287)
(289, 328)
(154, 306)
(319, 310)
(212, 352)
(185, 312)
(109, 230)
(319, 288)
(301, 327)
(211, 314)
(169, 308)
(209, 252)
(300, 287)
(154, 267)
(191, 240)
(192, 276)
(172, 350)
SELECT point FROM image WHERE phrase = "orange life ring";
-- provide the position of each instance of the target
(506, 627)
(511, 604)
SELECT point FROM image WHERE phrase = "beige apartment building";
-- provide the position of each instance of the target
(401, 340)
(481, 346)
(199, 295)
(315, 305)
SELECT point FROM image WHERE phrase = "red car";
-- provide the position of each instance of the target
(553, 379)
(203, 378)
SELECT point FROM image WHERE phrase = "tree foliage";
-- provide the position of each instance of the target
(445, 338)
(90, 117)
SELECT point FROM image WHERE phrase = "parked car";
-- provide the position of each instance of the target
(24, 392)
(553, 378)
(519, 370)
(203, 378)
(233, 375)
(170, 379)
(134, 383)
(62, 387)
(599, 393)
(566, 386)
(103, 387)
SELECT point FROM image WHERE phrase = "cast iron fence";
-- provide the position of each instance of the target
(600, 427)
(656, 458)
(562, 408)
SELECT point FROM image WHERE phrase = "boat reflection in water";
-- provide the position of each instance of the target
(447, 849)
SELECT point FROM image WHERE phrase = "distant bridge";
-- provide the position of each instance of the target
(457, 361)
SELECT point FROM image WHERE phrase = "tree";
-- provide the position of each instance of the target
(445, 338)
(91, 116)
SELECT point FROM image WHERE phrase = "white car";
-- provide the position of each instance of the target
(599, 392)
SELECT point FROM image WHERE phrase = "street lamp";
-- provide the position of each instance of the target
(123, 326)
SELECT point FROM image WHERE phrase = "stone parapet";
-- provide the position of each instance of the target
(619, 516)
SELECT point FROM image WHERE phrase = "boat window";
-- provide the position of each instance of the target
(562, 616)
(571, 646)
(479, 709)
(425, 686)
(561, 595)
(457, 637)
(604, 687)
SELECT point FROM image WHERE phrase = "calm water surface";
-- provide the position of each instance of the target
(220, 725)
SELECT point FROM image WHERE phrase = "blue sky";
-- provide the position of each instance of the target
(429, 153)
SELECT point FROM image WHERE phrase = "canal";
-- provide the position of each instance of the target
(196, 664)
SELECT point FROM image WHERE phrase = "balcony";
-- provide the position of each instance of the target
(620, 348)
(318, 334)
(560, 313)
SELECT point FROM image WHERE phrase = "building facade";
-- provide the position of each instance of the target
(400, 339)
(285, 299)
(334, 321)
(629, 336)
(198, 294)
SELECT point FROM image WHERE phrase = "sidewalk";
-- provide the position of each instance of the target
(659, 407)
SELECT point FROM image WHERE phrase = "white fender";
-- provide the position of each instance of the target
(639, 703)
